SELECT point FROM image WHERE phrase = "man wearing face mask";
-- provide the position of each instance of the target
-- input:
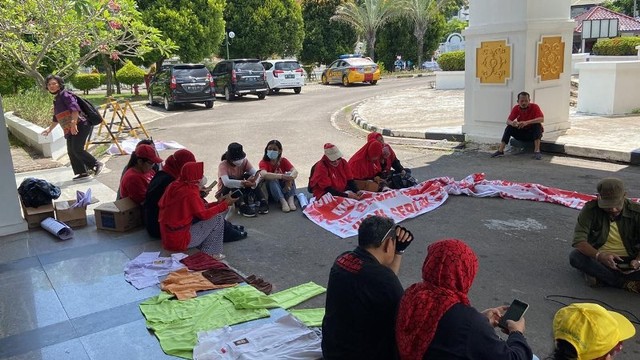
(607, 239)
(235, 173)
(332, 175)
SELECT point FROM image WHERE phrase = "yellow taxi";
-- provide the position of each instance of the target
(350, 69)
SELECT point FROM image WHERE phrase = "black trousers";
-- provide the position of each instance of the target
(81, 160)
(529, 133)
(593, 268)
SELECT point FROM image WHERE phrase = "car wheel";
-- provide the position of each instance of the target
(228, 95)
(262, 95)
(373, 82)
(167, 104)
(276, 90)
(297, 90)
(269, 90)
(151, 99)
(345, 80)
(208, 104)
(324, 80)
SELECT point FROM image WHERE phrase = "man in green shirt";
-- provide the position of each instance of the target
(607, 239)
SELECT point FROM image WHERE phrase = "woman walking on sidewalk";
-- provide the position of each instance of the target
(66, 112)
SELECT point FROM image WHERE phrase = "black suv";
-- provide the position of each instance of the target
(182, 83)
(238, 77)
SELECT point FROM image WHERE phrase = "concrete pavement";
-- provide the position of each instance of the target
(427, 113)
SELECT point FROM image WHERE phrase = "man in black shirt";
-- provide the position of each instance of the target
(363, 294)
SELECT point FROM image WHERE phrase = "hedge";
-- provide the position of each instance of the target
(452, 61)
(130, 74)
(619, 46)
(85, 82)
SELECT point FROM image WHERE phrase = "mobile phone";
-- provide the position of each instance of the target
(515, 312)
(236, 193)
(624, 266)
(209, 187)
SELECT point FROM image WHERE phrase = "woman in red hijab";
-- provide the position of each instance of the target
(365, 166)
(332, 175)
(396, 175)
(186, 220)
(437, 321)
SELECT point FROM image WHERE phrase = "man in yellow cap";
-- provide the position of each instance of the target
(586, 331)
(607, 239)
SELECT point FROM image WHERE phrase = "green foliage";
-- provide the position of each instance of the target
(103, 79)
(454, 25)
(11, 82)
(381, 67)
(264, 28)
(617, 46)
(33, 105)
(452, 61)
(130, 74)
(324, 40)
(86, 82)
(621, 6)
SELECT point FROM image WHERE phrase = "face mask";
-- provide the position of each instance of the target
(238, 162)
(272, 154)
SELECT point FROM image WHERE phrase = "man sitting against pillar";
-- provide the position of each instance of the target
(607, 239)
(523, 124)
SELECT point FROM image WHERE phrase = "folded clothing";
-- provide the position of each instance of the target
(184, 284)
(228, 276)
(202, 261)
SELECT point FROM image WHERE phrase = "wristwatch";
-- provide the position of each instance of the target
(399, 252)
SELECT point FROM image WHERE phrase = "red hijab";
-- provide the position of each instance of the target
(447, 274)
(174, 163)
(178, 203)
(360, 163)
(387, 152)
(326, 175)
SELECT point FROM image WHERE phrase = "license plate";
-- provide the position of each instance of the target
(289, 76)
(367, 69)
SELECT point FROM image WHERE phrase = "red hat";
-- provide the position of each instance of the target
(332, 152)
(147, 152)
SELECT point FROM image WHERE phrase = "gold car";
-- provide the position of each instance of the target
(351, 69)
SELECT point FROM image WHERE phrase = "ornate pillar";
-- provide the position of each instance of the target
(11, 220)
(514, 46)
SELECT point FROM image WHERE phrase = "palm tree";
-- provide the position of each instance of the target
(422, 12)
(367, 18)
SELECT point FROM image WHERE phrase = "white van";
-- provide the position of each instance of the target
(284, 74)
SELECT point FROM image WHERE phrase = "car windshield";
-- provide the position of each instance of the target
(359, 61)
(249, 66)
(194, 72)
(287, 65)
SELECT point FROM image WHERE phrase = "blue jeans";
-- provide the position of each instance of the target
(276, 189)
(593, 268)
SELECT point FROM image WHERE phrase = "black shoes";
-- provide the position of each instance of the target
(497, 154)
(247, 210)
(263, 208)
(81, 177)
(97, 168)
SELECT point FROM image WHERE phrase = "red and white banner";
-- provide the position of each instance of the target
(342, 216)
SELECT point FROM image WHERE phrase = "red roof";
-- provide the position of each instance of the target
(625, 23)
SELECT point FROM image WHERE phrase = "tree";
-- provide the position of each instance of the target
(35, 33)
(621, 6)
(196, 26)
(367, 18)
(422, 13)
(264, 28)
(324, 40)
(454, 25)
(130, 74)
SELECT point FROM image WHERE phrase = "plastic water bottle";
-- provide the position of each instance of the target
(302, 200)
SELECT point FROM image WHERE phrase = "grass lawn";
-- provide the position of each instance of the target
(101, 99)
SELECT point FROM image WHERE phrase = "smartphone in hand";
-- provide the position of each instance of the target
(515, 312)
(624, 266)
(236, 194)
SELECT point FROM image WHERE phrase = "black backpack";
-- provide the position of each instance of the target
(90, 112)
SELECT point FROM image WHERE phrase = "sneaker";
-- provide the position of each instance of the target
(238, 227)
(263, 208)
(592, 281)
(218, 256)
(497, 154)
(80, 177)
(292, 204)
(537, 155)
(97, 169)
(633, 286)
(247, 210)
(285, 205)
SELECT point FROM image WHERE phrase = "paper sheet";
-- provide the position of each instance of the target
(57, 228)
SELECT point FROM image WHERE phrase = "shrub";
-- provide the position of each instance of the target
(33, 105)
(381, 67)
(130, 74)
(85, 82)
(619, 46)
(452, 61)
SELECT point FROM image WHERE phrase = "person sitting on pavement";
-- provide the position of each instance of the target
(280, 175)
(235, 172)
(365, 167)
(132, 162)
(136, 179)
(363, 294)
(187, 220)
(396, 175)
(606, 236)
(436, 319)
(590, 332)
(524, 124)
(332, 175)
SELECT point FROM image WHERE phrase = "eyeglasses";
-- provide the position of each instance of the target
(389, 233)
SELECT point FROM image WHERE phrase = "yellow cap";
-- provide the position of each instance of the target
(591, 329)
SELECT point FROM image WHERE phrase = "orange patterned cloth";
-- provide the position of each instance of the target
(184, 284)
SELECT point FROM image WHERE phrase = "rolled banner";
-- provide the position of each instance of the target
(302, 200)
(57, 228)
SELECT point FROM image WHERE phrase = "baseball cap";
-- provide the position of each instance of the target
(611, 193)
(147, 152)
(591, 329)
(332, 152)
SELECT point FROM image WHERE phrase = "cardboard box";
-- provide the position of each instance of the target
(73, 217)
(120, 215)
(34, 216)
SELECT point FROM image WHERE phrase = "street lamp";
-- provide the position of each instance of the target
(227, 36)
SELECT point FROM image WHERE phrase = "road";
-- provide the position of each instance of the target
(522, 246)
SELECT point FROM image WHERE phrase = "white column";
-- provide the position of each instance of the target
(514, 46)
(11, 220)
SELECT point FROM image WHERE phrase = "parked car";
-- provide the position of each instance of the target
(350, 69)
(238, 77)
(284, 74)
(182, 83)
(431, 65)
